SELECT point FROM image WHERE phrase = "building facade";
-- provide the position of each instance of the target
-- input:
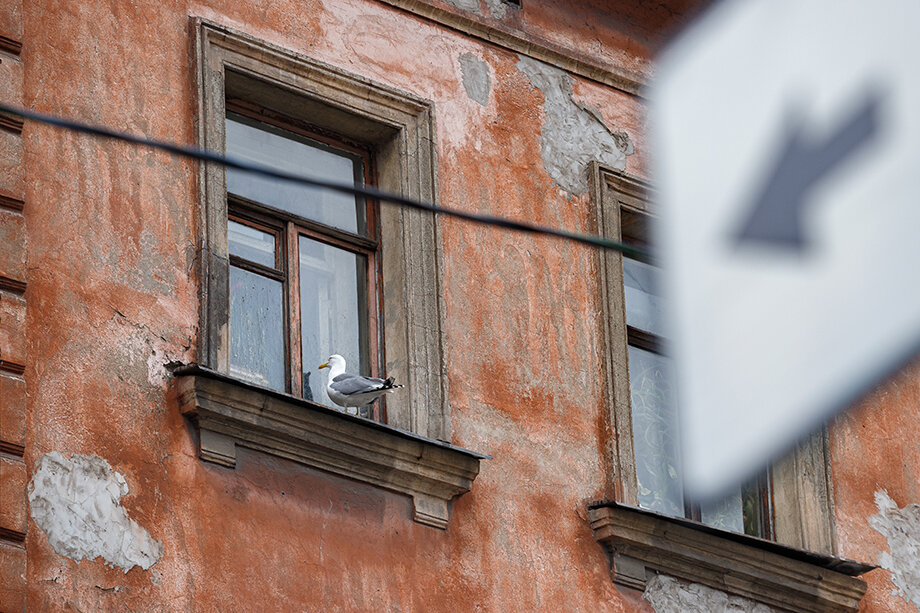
(167, 439)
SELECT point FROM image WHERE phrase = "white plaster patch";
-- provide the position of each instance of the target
(498, 8)
(76, 503)
(465, 5)
(902, 529)
(574, 134)
(476, 78)
(668, 595)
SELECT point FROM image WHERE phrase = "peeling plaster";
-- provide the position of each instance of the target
(465, 5)
(902, 529)
(76, 503)
(476, 79)
(498, 8)
(574, 134)
(668, 595)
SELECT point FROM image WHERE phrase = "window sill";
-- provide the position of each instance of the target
(229, 412)
(643, 543)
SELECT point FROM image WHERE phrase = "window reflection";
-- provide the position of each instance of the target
(256, 329)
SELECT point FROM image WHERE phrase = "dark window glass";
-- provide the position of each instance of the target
(303, 261)
(268, 145)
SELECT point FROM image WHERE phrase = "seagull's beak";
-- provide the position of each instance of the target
(323, 365)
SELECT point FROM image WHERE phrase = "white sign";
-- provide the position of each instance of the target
(788, 142)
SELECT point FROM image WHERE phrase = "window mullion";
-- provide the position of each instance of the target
(292, 256)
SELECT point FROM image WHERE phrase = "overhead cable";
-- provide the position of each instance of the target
(205, 155)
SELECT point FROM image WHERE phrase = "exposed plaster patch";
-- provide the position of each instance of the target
(574, 134)
(902, 529)
(476, 79)
(668, 595)
(498, 8)
(158, 350)
(76, 503)
(464, 5)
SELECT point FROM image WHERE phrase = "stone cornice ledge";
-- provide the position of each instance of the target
(229, 412)
(642, 544)
(571, 60)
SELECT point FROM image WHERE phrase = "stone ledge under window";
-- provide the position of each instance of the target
(643, 543)
(229, 412)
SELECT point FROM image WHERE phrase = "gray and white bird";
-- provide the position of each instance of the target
(347, 390)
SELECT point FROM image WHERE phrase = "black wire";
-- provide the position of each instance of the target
(347, 188)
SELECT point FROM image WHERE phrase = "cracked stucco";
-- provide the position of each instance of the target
(902, 529)
(573, 133)
(76, 502)
(668, 595)
(476, 79)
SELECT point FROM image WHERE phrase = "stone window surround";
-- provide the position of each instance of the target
(641, 544)
(802, 498)
(400, 127)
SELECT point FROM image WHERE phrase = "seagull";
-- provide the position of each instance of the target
(353, 390)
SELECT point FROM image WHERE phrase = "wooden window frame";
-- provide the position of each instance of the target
(288, 228)
(800, 493)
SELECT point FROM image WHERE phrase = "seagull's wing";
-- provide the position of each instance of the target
(349, 385)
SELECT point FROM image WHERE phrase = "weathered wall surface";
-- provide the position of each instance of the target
(105, 294)
(668, 595)
(113, 298)
(877, 487)
(13, 336)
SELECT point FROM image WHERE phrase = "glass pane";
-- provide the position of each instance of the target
(264, 144)
(333, 312)
(655, 433)
(643, 304)
(251, 244)
(725, 513)
(752, 495)
(256, 329)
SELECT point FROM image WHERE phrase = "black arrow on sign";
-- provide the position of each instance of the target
(776, 212)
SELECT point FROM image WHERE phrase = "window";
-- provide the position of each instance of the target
(288, 274)
(789, 503)
(363, 278)
(303, 261)
(654, 411)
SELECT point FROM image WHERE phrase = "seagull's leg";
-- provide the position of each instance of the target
(365, 411)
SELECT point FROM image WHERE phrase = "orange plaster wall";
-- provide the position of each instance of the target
(112, 296)
(874, 448)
